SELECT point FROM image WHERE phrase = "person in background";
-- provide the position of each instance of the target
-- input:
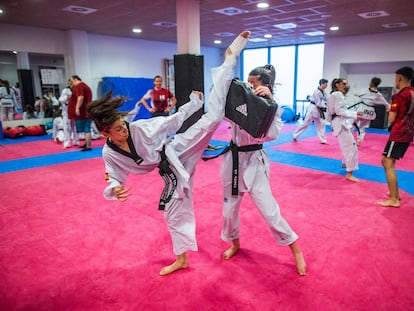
(52, 102)
(16, 89)
(7, 101)
(366, 99)
(29, 113)
(69, 127)
(253, 178)
(81, 97)
(315, 113)
(159, 98)
(58, 128)
(401, 120)
(342, 121)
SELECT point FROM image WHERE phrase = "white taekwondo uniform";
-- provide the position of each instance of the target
(254, 172)
(315, 113)
(342, 121)
(183, 151)
(365, 99)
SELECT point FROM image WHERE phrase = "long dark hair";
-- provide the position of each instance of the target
(265, 74)
(104, 111)
(334, 83)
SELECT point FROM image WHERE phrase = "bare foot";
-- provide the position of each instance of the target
(300, 263)
(227, 254)
(245, 34)
(389, 194)
(352, 178)
(390, 203)
(299, 259)
(180, 263)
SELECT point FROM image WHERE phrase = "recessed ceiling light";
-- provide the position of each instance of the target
(230, 11)
(165, 24)
(268, 35)
(257, 40)
(315, 33)
(224, 34)
(217, 41)
(373, 14)
(1, 11)
(334, 28)
(263, 5)
(394, 25)
(285, 26)
(136, 30)
(79, 9)
(14, 52)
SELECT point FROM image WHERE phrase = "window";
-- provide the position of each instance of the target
(298, 70)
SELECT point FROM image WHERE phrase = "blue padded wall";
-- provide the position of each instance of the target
(132, 88)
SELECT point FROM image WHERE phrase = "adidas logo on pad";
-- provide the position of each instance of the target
(242, 109)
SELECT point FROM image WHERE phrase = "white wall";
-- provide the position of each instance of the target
(359, 58)
(108, 56)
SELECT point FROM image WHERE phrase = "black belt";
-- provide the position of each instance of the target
(234, 151)
(170, 180)
(358, 103)
(235, 172)
(321, 110)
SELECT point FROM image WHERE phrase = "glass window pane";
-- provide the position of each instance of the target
(310, 70)
(283, 59)
(253, 58)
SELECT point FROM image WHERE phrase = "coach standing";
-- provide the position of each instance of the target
(81, 96)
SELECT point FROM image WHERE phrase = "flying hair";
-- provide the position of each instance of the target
(104, 111)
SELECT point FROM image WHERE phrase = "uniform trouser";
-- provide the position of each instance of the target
(261, 194)
(7, 113)
(69, 128)
(189, 147)
(362, 124)
(320, 125)
(349, 149)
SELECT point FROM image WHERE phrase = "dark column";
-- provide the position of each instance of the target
(26, 86)
(189, 76)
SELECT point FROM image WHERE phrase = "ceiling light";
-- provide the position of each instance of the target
(285, 26)
(136, 30)
(224, 34)
(217, 41)
(268, 35)
(1, 11)
(262, 5)
(230, 11)
(394, 25)
(373, 14)
(165, 24)
(315, 33)
(334, 28)
(257, 40)
(79, 9)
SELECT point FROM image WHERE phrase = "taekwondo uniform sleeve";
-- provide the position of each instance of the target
(149, 137)
(340, 116)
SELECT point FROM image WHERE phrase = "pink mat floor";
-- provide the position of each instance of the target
(63, 247)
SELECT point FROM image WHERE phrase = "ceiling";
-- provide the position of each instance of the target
(157, 18)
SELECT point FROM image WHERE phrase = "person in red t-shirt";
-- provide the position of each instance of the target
(159, 99)
(81, 96)
(401, 119)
